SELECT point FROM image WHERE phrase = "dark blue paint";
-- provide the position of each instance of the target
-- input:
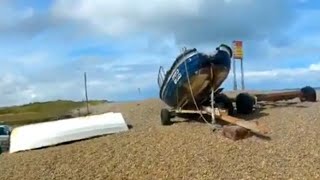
(197, 62)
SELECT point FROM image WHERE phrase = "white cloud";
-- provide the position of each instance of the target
(37, 76)
(47, 71)
(36, 58)
(123, 16)
(189, 21)
(284, 73)
(15, 89)
(315, 67)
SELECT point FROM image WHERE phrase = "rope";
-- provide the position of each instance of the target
(194, 101)
(212, 97)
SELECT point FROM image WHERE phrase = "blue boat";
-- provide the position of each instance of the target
(197, 71)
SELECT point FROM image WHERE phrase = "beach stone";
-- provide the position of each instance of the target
(235, 132)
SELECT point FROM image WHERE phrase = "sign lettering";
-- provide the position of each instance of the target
(176, 76)
(237, 50)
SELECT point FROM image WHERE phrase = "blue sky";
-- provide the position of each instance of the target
(47, 45)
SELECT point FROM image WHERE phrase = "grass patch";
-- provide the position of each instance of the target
(40, 111)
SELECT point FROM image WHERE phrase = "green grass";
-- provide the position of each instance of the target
(40, 111)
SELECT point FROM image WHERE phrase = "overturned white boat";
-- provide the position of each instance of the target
(55, 132)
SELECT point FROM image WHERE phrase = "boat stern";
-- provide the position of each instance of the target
(197, 71)
(222, 57)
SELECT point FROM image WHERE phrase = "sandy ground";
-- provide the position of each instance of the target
(184, 150)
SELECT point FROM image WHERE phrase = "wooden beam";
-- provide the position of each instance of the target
(253, 126)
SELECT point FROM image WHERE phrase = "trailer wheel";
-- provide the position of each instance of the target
(223, 101)
(244, 103)
(165, 117)
(309, 94)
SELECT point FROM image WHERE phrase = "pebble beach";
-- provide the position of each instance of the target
(183, 150)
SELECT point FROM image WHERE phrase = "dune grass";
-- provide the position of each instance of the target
(40, 111)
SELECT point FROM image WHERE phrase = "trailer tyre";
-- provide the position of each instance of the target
(223, 101)
(309, 94)
(165, 117)
(244, 103)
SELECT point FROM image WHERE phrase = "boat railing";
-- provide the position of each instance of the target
(161, 76)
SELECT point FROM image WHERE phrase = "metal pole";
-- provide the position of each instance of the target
(139, 91)
(86, 93)
(139, 94)
(234, 75)
(242, 76)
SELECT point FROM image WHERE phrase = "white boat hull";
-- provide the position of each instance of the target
(55, 132)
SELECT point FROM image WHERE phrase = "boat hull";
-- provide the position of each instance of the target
(51, 133)
(195, 71)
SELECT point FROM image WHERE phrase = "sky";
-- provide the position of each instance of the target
(46, 46)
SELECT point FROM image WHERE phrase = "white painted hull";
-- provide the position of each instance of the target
(55, 132)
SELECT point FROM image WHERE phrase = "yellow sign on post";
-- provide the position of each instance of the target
(238, 54)
(237, 50)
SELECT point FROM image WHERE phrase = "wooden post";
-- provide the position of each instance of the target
(86, 93)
